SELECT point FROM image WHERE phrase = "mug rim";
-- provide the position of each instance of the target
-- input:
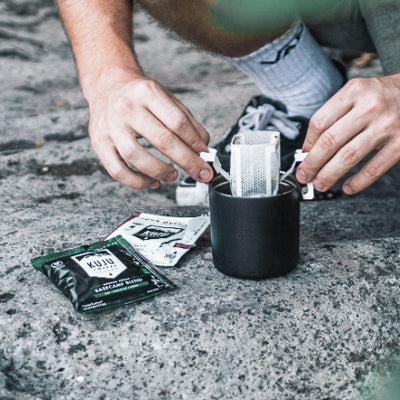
(290, 182)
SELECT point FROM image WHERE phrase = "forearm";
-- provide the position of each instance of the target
(100, 32)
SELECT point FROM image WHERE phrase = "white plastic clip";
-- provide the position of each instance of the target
(299, 156)
(307, 192)
(211, 157)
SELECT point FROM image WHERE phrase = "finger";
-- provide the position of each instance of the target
(166, 141)
(205, 136)
(334, 109)
(200, 129)
(171, 115)
(132, 152)
(387, 157)
(345, 159)
(329, 142)
(118, 170)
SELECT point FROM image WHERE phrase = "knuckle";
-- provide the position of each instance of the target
(164, 140)
(376, 103)
(148, 85)
(356, 85)
(317, 122)
(349, 156)
(122, 105)
(160, 173)
(373, 171)
(129, 153)
(139, 184)
(396, 147)
(95, 141)
(178, 122)
(327, 140)
(116, 171)
(392, 122)
(203, 136)
(308, 143)
(196, 144)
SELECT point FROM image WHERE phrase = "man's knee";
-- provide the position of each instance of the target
(199, 22)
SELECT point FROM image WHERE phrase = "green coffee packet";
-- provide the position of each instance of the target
(103, 275)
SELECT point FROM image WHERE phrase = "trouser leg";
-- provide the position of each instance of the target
(382, 18)
(342, 27)
(364, 25)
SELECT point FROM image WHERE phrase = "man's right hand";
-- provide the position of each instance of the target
(134, 106)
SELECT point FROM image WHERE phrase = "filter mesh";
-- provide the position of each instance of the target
(255, 164)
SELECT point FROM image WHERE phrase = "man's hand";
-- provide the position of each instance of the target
(363, 116)
(125, 105)
(135, 107)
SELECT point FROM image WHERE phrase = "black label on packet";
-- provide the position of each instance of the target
(103, 275)
(157, 232)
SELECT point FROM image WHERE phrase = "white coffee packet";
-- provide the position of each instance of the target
(161, 239)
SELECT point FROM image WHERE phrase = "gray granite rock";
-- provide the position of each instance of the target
(328, 330)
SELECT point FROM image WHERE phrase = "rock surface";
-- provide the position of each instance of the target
(329, 330)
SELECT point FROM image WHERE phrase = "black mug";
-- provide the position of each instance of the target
(255, 238)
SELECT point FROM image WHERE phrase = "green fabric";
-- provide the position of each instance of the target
(364, 25)
(267, 16)
(382, 18)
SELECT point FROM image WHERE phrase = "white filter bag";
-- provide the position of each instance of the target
(255, 164)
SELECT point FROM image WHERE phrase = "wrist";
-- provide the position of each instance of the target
(94, 84)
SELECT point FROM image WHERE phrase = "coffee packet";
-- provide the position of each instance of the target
(161, 239)
(103, 275)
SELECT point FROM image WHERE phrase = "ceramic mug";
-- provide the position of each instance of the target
(255, 238)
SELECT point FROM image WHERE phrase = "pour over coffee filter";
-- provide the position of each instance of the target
(255, 164)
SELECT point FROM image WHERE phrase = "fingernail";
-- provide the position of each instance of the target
(205, 174)
(347, 189)
(171, 177)
(301, 176)
(318, 185)
(154, 185)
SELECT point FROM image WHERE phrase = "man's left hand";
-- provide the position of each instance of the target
(361, 117)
